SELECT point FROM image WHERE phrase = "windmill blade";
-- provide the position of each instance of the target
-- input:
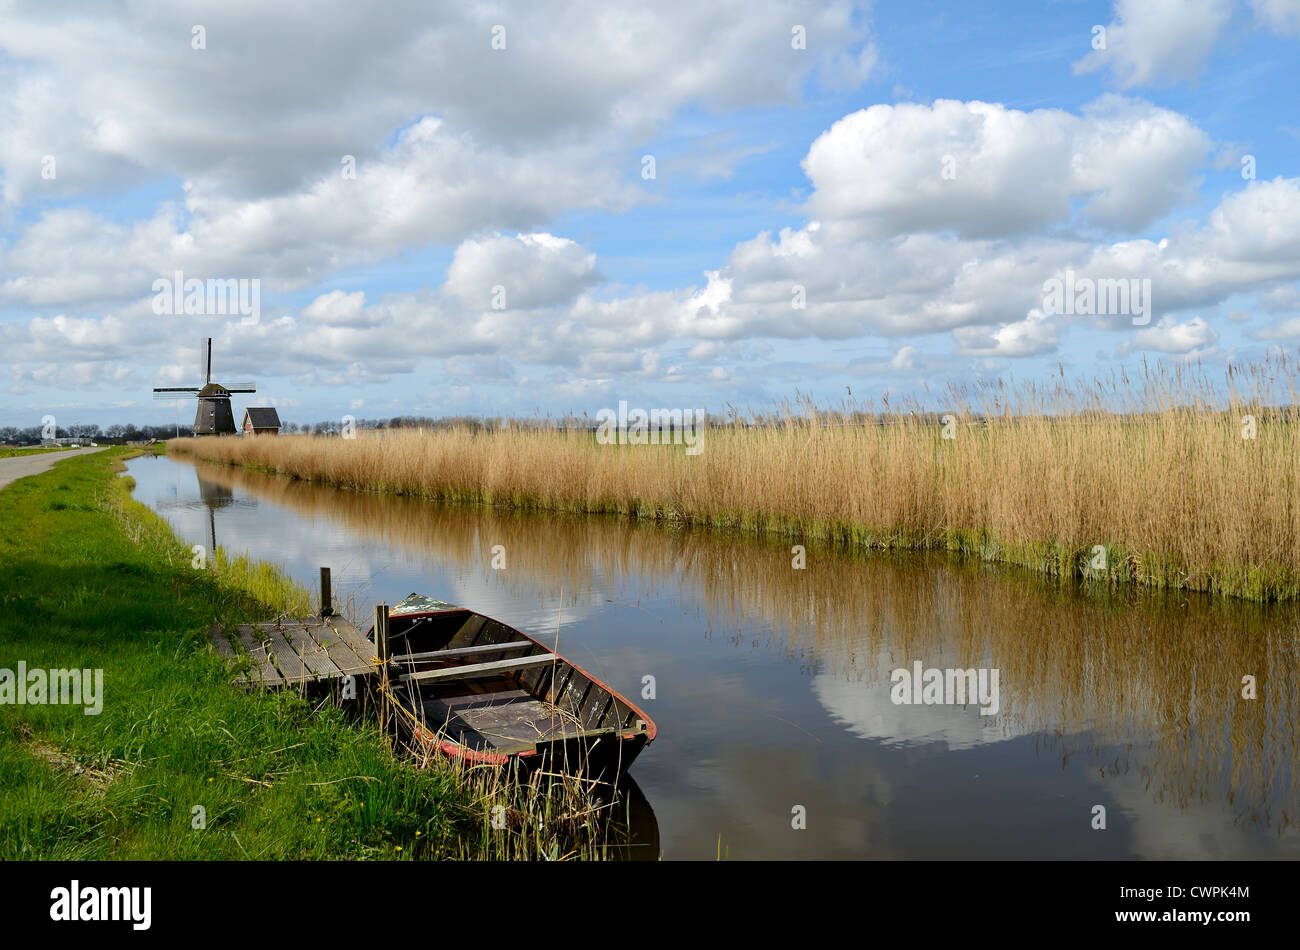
(175, 389)
(251, 389)
(205, 358)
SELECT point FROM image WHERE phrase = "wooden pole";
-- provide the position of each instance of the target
(326, 607)
(381, 638)
(381, 651)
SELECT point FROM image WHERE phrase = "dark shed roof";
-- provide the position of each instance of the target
(262, 418)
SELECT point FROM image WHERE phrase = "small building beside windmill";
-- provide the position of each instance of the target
(261, 421)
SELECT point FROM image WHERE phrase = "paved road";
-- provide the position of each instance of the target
(20, 466)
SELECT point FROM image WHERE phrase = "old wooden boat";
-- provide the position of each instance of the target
(477, 690)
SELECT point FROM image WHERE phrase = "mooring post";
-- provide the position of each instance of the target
(326, 604)
(381, 651)
(381, 638)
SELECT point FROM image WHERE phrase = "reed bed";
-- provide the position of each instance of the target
(1172, 480)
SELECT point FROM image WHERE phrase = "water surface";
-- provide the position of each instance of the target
(772, 687)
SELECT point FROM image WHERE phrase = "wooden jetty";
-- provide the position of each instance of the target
(297, 652)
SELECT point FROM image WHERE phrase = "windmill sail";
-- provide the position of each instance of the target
(214, 415)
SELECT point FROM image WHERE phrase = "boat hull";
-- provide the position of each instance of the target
(604, 758)
(478, 691)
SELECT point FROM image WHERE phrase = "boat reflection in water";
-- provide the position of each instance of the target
(774, 683)
(634, 831)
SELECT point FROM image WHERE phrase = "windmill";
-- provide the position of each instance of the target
(214, 416)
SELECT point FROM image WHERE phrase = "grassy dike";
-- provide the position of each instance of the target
(8, 453)
(90, 578)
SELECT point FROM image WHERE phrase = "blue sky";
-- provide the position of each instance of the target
(918, 171)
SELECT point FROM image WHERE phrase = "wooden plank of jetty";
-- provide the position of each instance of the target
(285, 657)
(347, 647)
(315, 661)
(221, 643)
(263, 673)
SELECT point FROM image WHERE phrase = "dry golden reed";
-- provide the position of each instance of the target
(1169, 480)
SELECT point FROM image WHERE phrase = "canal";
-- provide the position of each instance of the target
(1169, 718)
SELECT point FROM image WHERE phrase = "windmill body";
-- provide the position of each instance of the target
(215, 415)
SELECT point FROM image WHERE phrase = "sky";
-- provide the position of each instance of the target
(525, 209)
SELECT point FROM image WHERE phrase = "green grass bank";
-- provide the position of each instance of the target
(92, 579)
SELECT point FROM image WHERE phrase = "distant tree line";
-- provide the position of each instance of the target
(113, 435)
(121, 434)
(335, 426)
